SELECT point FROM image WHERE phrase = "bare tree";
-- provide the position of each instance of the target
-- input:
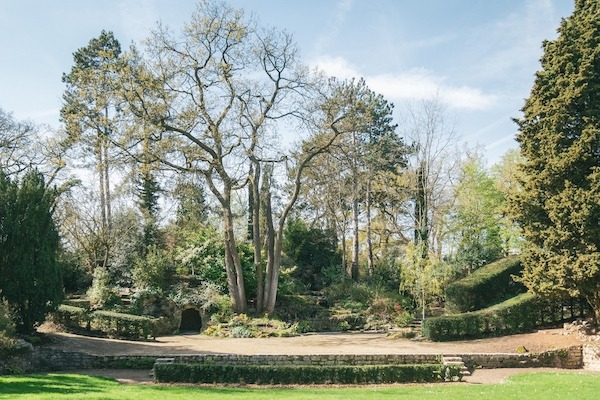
(431, 168)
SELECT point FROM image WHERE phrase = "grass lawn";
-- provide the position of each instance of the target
(530, 386)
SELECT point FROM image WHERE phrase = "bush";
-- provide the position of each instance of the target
(303, 375)
(102, 294)
(72, 318)
(484, 287)
(111, 324)
(7, 330)
(126, 326)
(155, 270)
(520, 314)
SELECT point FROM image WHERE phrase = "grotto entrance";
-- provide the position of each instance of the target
(190, 321)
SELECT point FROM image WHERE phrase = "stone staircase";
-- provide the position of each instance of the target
(456, 361)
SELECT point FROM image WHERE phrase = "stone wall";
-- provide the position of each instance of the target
(591, 357)
(571, 358)
(49, 359)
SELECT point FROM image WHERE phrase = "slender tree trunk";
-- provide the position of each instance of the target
(270, 289)
(355, 245)
(370, 261)
(256, 235)
(235, 274)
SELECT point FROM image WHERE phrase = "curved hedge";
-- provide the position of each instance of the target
(304, 374)
(522, 313)
(486, 286)
(112, 324)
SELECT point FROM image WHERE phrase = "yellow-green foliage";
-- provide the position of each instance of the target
(485, 287)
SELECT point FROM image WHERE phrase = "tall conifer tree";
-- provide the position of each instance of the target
(559, 134)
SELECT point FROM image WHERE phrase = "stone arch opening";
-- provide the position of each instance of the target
(191, 321)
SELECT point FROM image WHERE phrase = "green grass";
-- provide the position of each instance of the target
(530, 386)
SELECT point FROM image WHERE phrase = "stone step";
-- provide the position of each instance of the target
(457, 361)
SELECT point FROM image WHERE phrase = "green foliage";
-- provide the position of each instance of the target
(559, 204)
(126, 326)
(315, 253)
(31, 277)
(423, 275)
(76, 277)
(486, 286)
(102, 294)
(155, 270)
(476, 219)
(301, 375)
(7, 329)
(522, 313)
(203, 256)
(243, 326)
(207, 296)
(111, 324)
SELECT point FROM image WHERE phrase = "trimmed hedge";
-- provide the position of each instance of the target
(303, 375)
(112, 324)
(522, 313)
(484, 287)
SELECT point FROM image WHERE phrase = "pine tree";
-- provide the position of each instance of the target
(559, 134)
(31, 278)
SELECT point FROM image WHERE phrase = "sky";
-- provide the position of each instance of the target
(478, 57)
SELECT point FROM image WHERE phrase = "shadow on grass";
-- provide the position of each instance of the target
(54, 383)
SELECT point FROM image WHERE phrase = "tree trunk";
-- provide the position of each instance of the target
(370, 261)
(272, 276)
(421, 212)
(256, 233)
(235, 274)
(593, 300)
(355, 244)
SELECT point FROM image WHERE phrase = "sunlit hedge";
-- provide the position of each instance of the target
(485, 287)
(520, 314)
(112, 324)
(292, 375)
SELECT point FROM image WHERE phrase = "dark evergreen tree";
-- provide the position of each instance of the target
(31, 279)
(559, 134)
(315, 253)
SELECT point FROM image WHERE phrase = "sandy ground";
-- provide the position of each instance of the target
(338, 343)
(346, 343)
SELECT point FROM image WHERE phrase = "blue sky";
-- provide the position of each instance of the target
(478, 56)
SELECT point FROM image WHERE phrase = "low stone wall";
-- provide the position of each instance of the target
(571, 358)
(318, 360)
(49, 359)
(591, 357)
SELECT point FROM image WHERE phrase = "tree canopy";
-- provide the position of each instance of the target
(31, 277)
(559, 136)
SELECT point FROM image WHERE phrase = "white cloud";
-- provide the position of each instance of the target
(414, 84)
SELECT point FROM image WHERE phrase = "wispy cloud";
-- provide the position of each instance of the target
(136, 16)
(414, 84)
(516, 38)
(336, 20)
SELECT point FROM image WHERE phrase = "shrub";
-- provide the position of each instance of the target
(155, 270)
(484, 287)
(291, 375)
(7, 330)
(126, 326)
(112, 324)
(522, 313)
(102, 293)
(72, 318)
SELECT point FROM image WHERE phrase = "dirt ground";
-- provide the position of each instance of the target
(339, 343)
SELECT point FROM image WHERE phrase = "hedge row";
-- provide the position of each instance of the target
(112, 324)
(486, 286)
(303, 375)
(522, 313)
